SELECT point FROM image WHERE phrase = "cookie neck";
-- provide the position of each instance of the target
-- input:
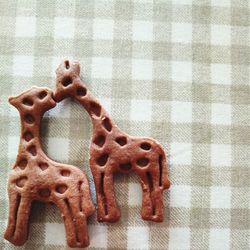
(30, 131)
(99, 116)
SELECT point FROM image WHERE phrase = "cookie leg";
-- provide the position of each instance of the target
(157, 200)
(17, 229)
(86, 204)
(80, 223)
(100, 195)
(21, 230)
(14, 202)
(66, 214)
(154, 197)
(107, 208)
(19, 235)
(156, 192)
(113, 212)
(147, 208)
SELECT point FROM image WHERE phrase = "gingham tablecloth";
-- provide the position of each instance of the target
(175, 70)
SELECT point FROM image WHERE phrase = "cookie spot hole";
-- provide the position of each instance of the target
(121, 140)
(151, 189)
(27, 102)
(65, 173)
(21, 181)
(45, 192)
(102, 160)
(104, 199)
(29, 118)
(67, 64)
(145, 146)
(125, 166)
(43, 166)
(61, 189)
(106, 123)
(42, 95)
(160, 168)
(99, 140)
(81, 91)
(22, 163)
(80, 198)
(95, 109)
(32, 150)
(80, 185)
(142, 162)
(28, 136)
(66, 81)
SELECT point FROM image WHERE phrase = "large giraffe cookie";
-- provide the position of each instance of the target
(36, 177)
(112, 151)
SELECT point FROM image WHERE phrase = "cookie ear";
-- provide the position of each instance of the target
(12, 100)
(76, 66)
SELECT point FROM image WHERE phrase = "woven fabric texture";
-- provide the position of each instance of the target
(177, 71)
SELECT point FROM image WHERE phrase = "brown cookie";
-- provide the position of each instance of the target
(36, 177)
(112, 151)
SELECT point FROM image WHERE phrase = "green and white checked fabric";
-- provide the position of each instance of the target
(178, 71)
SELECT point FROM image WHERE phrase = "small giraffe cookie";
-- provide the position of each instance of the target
(36, 177)
(112, 151)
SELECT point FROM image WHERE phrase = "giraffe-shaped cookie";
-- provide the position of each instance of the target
(112, 151)
(36, 177)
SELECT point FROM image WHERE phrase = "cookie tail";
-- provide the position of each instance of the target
(163, 181)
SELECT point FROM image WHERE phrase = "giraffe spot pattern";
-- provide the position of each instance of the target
(106, 123)
(65, 173)
(42, 95)
(95, 109)
(145, 146)
(102, 160)
(45, 192)
(142, 162)
(66, 81)
(61, 188)
(99, 140)
(125, 166)
(27, 102)
(79, 185)
(28, 136)
(22, 163)
(32, 150)
(121, 140)
(43, 165)
(29, 118)
(81, 91)
(21, 181)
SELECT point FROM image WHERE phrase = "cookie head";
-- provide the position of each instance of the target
(36, 98)
(70, 67)
(67, 75)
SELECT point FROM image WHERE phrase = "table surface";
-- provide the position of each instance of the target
(177, 71)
